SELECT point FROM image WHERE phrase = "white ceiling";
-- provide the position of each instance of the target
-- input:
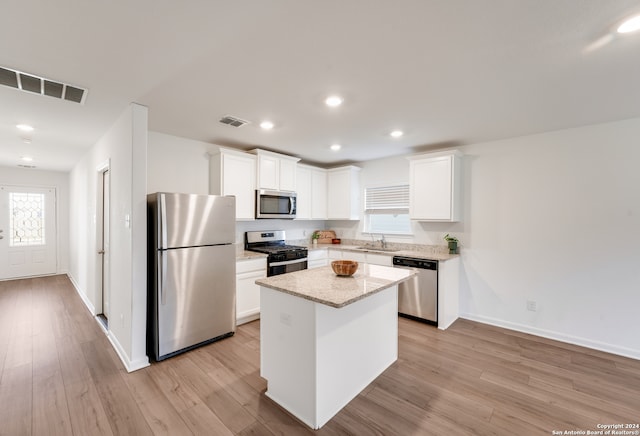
(446, 72)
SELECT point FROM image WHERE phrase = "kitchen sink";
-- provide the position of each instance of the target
(367, 248)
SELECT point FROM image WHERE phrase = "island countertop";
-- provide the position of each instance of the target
(323, 286)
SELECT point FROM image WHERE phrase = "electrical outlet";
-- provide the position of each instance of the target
(532, 306)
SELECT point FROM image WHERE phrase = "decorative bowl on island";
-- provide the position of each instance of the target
(344, 268)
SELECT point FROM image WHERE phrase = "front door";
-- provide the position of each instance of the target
(27, 231)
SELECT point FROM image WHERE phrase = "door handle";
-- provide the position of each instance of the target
(162, 277)
(100, 251)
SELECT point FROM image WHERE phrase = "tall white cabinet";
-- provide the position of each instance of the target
(233, 172)
(435, 181)
(311, 187)
(343, 193)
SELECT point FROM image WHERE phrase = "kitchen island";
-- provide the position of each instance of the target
(324, 338)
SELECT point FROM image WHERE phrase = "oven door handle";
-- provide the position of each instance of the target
(288, 262)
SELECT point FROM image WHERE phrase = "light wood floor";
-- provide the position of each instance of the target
(59, 375)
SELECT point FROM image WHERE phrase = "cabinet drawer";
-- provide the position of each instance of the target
(248, 265)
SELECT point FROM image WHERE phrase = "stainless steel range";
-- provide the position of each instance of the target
(282, 258)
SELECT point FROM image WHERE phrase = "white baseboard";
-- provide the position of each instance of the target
(569, 339)
(83, 296)
(129, 365)
(247, 316)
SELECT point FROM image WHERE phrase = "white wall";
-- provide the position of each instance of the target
(55, 179)
(124, 147)
(178, 164)
(552, 218)
(555, 218)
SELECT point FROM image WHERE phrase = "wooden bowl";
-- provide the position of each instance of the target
(344, 268)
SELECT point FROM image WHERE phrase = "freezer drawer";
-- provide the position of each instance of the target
(195, 297)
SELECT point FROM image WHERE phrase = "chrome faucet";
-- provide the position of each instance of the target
(383, 242)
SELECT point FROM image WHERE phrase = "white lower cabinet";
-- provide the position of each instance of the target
(318, 258)
(365, 257)
(380, 259)
(247, 292)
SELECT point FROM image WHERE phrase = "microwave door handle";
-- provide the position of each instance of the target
(291, 205)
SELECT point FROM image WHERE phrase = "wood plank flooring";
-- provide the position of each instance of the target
(60, 375)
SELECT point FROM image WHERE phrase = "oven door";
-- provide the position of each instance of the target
(286, 266)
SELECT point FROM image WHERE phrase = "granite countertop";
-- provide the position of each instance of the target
(419, 254)
(242, 254)
(322, 285)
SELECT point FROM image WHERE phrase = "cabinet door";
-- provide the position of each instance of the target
(268, 172)
(431, 188)
(343, 193)
(238, 178)
(318, 258)
(379, 259)
(318, 194)
(287, 179)
(303, 190)
(248, 296)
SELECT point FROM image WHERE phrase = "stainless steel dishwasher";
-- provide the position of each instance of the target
(418, 296)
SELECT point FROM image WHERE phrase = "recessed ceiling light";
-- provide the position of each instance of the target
(25, 127)
(266, 125)
(397, 133)
(334, 101)
(630, 25)
(336, 147)
(27, 158)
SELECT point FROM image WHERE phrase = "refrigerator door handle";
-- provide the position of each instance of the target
(163, 221)
(162, 277)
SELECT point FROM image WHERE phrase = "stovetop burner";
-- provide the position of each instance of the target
(270, 242)
(275, 249)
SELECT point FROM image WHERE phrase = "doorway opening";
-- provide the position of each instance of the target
(103, 204)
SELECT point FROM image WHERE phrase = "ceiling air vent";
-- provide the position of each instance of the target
(233, 121)
(39, 85)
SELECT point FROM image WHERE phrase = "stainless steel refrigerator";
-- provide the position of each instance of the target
(192, 268)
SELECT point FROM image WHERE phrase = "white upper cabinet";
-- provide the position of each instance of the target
(435, 186)
(311, 187)
(343, 193)
(232, 172)
(318, 194)
(275, 171)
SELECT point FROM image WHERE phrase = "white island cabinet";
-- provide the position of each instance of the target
(324, 338)
(435, 185)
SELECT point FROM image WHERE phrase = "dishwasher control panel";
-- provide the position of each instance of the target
(413, 262)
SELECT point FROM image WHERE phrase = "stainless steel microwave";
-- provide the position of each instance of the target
(275, 204)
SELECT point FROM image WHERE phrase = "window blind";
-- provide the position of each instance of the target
(387, 199)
